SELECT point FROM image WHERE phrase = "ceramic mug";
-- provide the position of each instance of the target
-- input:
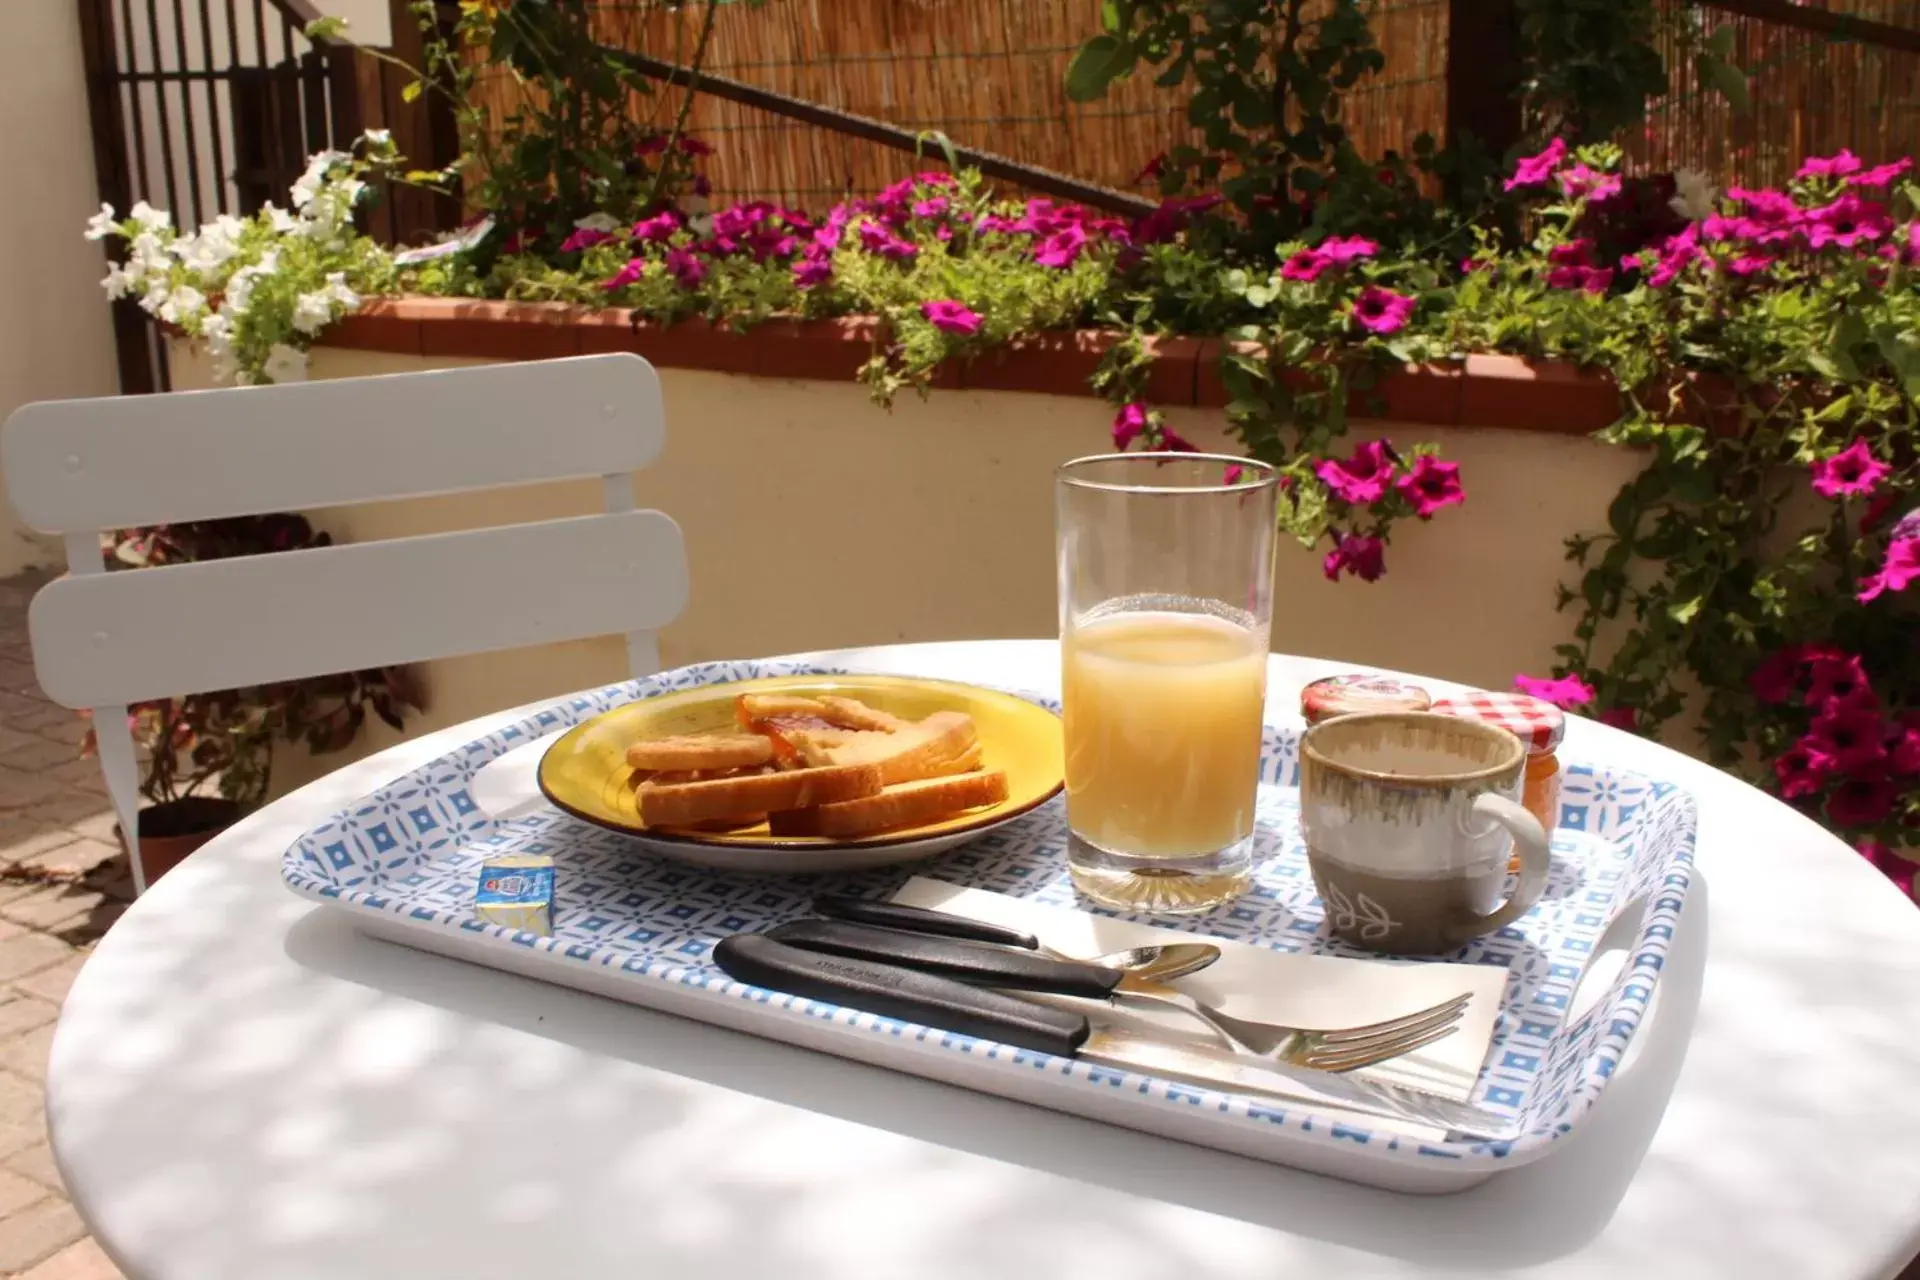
(1409, 819)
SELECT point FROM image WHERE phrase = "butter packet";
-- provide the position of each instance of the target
(516, 890)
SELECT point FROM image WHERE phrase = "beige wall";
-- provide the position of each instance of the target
(56, 340)
(815, 520)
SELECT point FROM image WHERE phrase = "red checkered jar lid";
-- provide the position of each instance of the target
(1540, 725)
(1345, 695)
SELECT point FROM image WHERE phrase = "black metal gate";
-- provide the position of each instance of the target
(204, 107)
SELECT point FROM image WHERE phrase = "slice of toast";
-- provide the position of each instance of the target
(850, 713)
(930, 749)
(687, 803)
(701, 751)
(909, 804)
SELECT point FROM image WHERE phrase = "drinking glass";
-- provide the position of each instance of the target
(1166, 605)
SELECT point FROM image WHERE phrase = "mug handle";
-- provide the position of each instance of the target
(1531, 839)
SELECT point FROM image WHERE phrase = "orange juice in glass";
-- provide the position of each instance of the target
(1166, 584)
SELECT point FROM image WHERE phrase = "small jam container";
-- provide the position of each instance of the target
(1539, 725)
(1348, 695)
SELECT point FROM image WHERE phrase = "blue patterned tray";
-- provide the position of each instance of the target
(404, 861)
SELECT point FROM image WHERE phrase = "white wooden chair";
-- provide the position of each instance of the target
(105, 640)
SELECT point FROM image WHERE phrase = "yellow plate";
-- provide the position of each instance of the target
(585, 771)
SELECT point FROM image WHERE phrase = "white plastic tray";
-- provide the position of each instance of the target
(404, 862)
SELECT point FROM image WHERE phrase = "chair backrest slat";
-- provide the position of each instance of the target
(114, 638)
(199, 455)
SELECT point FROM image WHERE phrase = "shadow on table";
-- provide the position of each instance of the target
(1541, 1212)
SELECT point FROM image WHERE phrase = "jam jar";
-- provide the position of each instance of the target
(1539, 725)
(1347, 695)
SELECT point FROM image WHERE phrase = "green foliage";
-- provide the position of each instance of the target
(226, 738)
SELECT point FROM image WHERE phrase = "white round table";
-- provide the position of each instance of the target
(243, 1088)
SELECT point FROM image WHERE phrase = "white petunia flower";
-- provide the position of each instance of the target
(599, 222)
(117, 282)
(1694, 195)
(240, 287)
(150, 218)
(213, 247)
(146, 255)
(279, 219)
(378, 137)
(217, 330)
(308, 186)
(102, 224)
(183, 303)
(285, 364)
(156, 296)
(312, 312)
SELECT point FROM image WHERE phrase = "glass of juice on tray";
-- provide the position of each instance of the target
(1166, 604)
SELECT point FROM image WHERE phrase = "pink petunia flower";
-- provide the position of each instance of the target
(1904, 751)
(951, 317)
(1837, 166)
(1892, 866)
(1853, 472)
(1847, 222)
(1361, 479)
(1582, 183)
(932, 207)
(686, 268)
(1566, 692)
(659, 228)
(1537, 170)
(1771, 217)
(1342, 250)
(1897, 571)
(812, 267)
(1779, 676)
(875, 238)
(1749, 264)
(1625, 719)
(626, 275)
(1881, 175)
(1128, 424)
(1802, 770)
(1864, 801)
(584, 238)
(1838, 678)
(1382, 311)
(1431, 485)
(1307, 265)
(1361, 557)
(1853, 737)
(1172, 441)
(1062, 248)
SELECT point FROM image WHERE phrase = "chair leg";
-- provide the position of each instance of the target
(122, 771)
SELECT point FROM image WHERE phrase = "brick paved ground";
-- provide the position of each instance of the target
(63, 881)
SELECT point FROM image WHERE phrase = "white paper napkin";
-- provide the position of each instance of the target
(1272, 986)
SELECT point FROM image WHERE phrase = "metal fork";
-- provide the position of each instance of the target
(1330, 1049)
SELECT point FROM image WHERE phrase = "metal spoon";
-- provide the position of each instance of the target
(1160, 963)
(1156, 964)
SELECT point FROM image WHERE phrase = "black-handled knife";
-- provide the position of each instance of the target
(901, 993)
(935, 1001)
(977, 962)
(897, 915)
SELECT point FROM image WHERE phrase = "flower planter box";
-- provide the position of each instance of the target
(814, 519)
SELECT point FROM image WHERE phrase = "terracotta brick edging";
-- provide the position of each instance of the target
(1479, 391)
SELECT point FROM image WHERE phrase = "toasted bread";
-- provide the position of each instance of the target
(908, 804)
(701, 751)
(766, 706)
(849, 713)
(923, 750)
(686, 804)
